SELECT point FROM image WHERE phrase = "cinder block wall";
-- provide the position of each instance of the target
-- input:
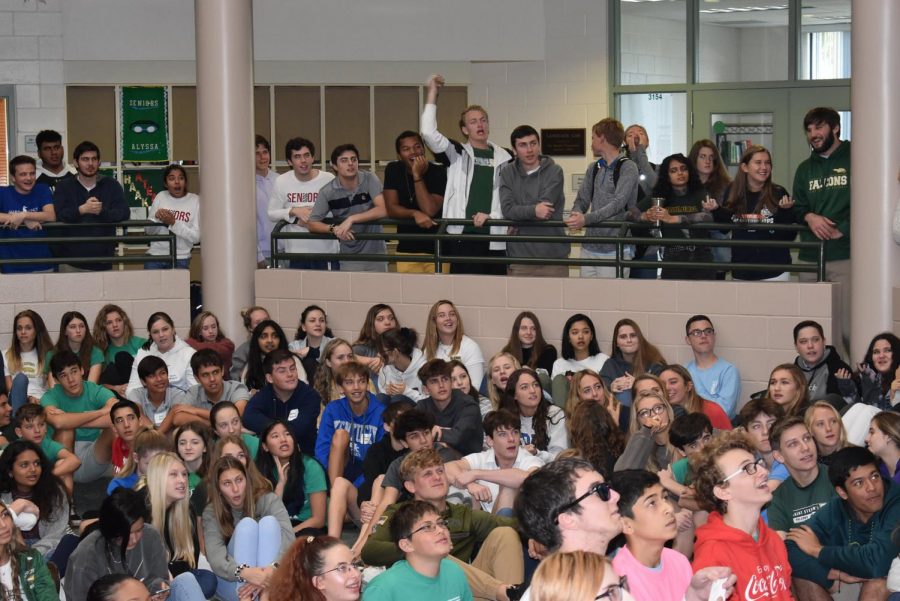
(897, 311)
(754, 321)
(139, 293)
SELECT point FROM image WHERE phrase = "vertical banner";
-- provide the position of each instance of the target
(145, 124)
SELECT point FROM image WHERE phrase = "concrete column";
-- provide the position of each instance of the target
(875, 161)
(224, 34)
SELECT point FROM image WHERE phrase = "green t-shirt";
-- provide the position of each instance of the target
(93, 397)
(252, 443)
(96, 359)
(131, 347)
(193, 480)
(793, 506)
(681, 471)
(51, 448)
(313, 481)
(401, 583)
(481, 191)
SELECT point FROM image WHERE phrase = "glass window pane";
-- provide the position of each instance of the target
(663, 116)
(652, 42)
(743, 41)
(825, 40)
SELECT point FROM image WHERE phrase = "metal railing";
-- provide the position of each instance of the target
(622, 239)
(123, 239)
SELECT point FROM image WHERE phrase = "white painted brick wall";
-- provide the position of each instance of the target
(567, 89)
(31, 59)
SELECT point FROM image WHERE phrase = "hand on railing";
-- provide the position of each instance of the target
(575, 221)
(478, 219)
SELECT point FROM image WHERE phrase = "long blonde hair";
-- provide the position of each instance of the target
(495, 393)
(809, 419)
(569, 576)
(324, 382)
(181, 525)
(432, 339)
(14, 548)
(610, 402)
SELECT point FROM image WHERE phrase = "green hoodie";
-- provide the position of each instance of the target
(822, 186)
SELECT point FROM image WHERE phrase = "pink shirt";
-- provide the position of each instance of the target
(666, 582)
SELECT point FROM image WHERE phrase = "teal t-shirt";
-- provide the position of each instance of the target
(93, 397)
(51, 448)
(402, 583)
(314, 480)
(252, 443)
(481, 190)
(96, 359)
(131, 347)
(681, 471)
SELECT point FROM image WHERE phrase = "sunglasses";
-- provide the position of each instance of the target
(601, 489)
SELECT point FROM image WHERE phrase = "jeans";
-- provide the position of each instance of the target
(207, 581)
(184, 587)
(18, 393)
(315, 265)
(179, 264)
(253, 543)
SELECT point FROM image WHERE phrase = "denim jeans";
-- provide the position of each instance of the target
(18, 393)
(253, 543)
(179, 264)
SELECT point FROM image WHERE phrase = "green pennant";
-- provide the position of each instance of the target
(145, 124)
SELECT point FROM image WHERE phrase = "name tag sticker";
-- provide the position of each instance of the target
(293, 414)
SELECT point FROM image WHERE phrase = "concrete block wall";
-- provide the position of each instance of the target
(897, 311)
(754, 321)
(31, 59)
(139, 293)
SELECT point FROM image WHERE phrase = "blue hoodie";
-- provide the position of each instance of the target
(365, 430)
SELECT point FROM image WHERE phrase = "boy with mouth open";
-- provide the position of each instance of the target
(424, 538)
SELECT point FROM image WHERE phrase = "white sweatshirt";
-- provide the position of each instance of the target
(288, 193)
(186, 227)
(178, 360)
(410, 378)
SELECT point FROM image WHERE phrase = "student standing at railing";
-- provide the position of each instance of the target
(24, 206)
(705, 158)
(179, 211)
(414, 189)
(682, 195)
(355, 198)
(292, 199)
(265, 181)
(531, 189)
(472, 180)
(754, 198)
(609, 189)
(89, 198)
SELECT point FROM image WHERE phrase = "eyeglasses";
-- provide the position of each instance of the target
(614, 591)
(654, 410)
(344, 568)
(430, 527)
(699, 333)
(747, 468)
(601, 489)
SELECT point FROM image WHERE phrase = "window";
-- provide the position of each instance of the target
(825, 40)
(653, 42)
(739, 41)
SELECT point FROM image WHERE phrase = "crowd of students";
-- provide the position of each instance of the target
(462, 475)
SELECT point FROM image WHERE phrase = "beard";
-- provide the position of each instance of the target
(827, 143)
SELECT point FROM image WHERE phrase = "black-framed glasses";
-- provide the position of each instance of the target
(747, 468)
(601, 489)
(430, 527)
(614, 591)
(345, 568)
(652, 411)
(705, 332)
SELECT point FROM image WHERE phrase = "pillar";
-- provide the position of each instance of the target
(875, 161)
(224, 39)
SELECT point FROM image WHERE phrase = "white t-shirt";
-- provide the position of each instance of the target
(470, 355)
(486, 460)
(594, 362)
(37, 381)
(7, 581)
(288, 193)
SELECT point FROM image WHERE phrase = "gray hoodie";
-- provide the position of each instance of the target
(599, 199)
(520, 192)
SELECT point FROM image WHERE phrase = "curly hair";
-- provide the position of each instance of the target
(324, 382)
(708, 475)
(101, 338)
(596, 436)
(297, 568)
(663, 187)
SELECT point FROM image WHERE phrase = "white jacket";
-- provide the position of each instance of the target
(409, 378)
(178, 360)
(459, 175)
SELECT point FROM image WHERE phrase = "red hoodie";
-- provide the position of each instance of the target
(761, 567)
